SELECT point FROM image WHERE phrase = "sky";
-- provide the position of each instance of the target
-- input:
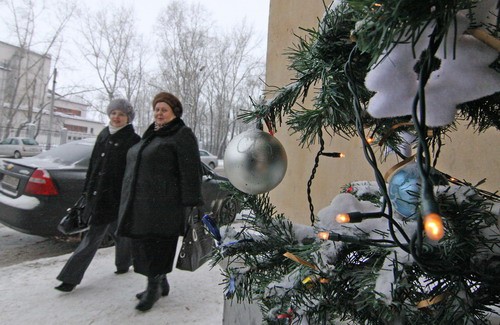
(225, 14)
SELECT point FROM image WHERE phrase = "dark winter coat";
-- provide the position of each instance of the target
(105, 174)
(162, 178)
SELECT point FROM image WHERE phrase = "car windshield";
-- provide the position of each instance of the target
(73, 153)
(30, 142)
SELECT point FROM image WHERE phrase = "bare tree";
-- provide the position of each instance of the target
(234, 79)
(213, 75)
(144, 111)
(28, 68)
(117, 54)
(108, 38)
(186, 43)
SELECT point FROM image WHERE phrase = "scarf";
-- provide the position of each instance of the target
(162, 130)
(113, 130)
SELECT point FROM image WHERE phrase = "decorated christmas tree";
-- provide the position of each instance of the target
(414, 246)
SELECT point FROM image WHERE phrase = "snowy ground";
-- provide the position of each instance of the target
(28, 297)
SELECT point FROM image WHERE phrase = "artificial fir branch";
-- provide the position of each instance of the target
(482, 113)
(466, 289)
(453, 281)
(318, 60)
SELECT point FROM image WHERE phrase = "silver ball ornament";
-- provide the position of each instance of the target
(255, 162)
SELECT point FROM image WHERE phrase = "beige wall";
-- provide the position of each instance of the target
(466, 156)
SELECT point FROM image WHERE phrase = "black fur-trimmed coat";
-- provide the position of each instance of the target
(162, 178)
(105, 174)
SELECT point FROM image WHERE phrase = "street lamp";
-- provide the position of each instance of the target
(51, 113)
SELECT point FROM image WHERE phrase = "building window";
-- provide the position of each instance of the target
(76, 128)
(68, 111)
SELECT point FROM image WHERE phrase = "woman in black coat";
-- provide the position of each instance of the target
(162, 179)
(103, 190)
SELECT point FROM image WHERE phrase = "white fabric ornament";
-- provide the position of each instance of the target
(459, 79)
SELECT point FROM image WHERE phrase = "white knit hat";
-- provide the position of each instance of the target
(122, 105)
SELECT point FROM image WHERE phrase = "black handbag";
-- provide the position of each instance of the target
(72, 223)
(197, 244)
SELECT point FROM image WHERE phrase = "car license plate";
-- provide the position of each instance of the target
(10, 181)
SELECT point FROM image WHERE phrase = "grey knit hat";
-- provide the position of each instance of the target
(123, 105)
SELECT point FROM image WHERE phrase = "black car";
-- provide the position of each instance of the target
(36, 191)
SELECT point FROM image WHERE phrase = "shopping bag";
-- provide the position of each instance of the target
(197, 244)
(72, 223)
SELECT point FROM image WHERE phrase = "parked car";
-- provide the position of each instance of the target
(18, 147)
(208, 159)
(35, 192)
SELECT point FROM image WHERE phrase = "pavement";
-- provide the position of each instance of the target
(27, 295)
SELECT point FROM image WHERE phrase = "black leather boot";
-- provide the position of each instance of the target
(152, 294)
(165, 288)
(65, 287)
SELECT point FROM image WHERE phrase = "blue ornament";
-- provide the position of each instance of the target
(231, 289)
(404, 190)
(212, 227)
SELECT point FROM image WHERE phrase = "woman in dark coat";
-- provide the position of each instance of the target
(162, 180)
(103, 190)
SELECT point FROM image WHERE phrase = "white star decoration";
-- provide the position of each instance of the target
(462, 76)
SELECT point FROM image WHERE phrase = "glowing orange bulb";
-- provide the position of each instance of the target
(325, 235)
(343, 218)
(433, 225)
(370, 140)
(342, 155)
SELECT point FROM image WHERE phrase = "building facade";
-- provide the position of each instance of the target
(26, 106)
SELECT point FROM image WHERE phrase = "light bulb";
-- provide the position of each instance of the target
(343, 218)
(433, 225)
(325, 235)
(307, 280)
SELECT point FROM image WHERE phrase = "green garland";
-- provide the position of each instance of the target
(454, 281)
(463, 283)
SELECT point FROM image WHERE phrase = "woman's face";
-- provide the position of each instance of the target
(163, 113)
(117, 118)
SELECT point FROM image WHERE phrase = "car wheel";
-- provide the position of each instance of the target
(17, 155)
(211, 165)
(225, 211)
